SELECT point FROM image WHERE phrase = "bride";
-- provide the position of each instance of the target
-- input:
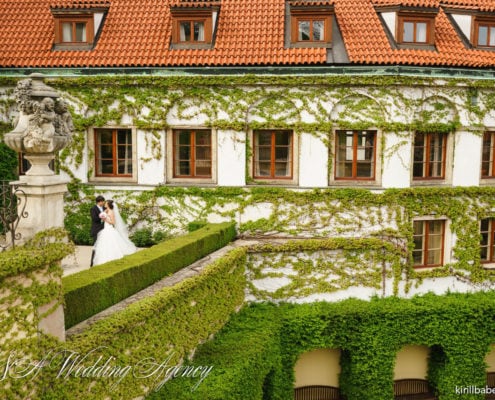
(112, 242)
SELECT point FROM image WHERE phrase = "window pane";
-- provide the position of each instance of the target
(263, 169)
(66, 32)
(282, 154)
(203, 138)
(303, 30)
(106, 151)
(434, 257)
(263, 138)
(318, 27)
(203, 153)
(203, 168)
(183, 137)
(364, 170)
(81, 32)
(421, 32)
(492, 36)
(199, 31)
(106, 166)
(282, 169)
(124, 167)
(264, 154)
(282, 139)
(106, 136)
(124, 136)
(408, 34)
(185, 31)
(184, 153)
(183, 168)
(482, 35)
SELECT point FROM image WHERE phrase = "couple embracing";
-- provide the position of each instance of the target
(109, 233)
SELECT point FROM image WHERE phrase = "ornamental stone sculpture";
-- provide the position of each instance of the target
(43, 127)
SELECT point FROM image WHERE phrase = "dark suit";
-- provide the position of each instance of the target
(96, 225)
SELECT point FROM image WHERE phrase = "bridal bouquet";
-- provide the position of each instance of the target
(103, 215)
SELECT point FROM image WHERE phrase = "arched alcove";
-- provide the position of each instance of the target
(412, 362)
(318, 367)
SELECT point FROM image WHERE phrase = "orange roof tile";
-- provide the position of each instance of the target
(136, 33)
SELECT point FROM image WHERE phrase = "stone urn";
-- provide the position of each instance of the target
(44, 125)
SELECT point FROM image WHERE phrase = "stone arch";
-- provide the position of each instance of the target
(436, 110)
(273, 108)
(189, 111)
(358, 108)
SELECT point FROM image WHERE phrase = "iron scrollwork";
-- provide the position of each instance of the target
(12, 209)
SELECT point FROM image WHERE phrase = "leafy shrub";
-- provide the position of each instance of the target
(142, 237)
(195, 225)
(78, 224)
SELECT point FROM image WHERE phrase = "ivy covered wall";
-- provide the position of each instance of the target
(312, 106)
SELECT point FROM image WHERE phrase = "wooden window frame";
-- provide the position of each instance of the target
(425, 248)
(192, 144)
(354, 176)
(490, 174)
(415, 19)
(273, 146)
(74, 19)
(311, 15)
(426, 158)
(179, 17)
(115, 158)
(490, 241)
(488, 22)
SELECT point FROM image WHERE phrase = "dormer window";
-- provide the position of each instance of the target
(414, 29)
(310, 25)
(192, 30)
(409, 27)
(484, 33)
(74, 30)
(194, 27)
(78, 28)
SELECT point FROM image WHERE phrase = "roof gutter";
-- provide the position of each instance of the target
(380, 70)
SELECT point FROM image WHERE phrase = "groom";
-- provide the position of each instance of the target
(96, 222)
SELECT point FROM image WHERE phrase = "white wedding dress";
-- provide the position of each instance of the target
(112, 242)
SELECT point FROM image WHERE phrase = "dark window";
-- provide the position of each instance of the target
(428, 243)
(113, 152)
(273, 154)
(429, 155)
(487, 230)
(488, 155)
(355, 155)
(192, 153)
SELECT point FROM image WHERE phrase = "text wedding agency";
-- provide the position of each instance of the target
(95, 365)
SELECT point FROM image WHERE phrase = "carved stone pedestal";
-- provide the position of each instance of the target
(44, 203)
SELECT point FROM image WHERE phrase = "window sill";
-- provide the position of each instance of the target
(191, 181)
(72, 47)
(440, 182)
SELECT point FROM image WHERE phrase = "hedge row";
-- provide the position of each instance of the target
(255, 354)
(158, 330)
(91, 291)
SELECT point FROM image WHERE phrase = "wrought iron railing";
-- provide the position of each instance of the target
(12, 209)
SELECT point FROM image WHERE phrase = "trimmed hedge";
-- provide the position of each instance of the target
(256, 352)
(163, 328)
(91, 291)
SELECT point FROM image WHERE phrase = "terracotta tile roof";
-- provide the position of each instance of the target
(250, 32)
(80, 4)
